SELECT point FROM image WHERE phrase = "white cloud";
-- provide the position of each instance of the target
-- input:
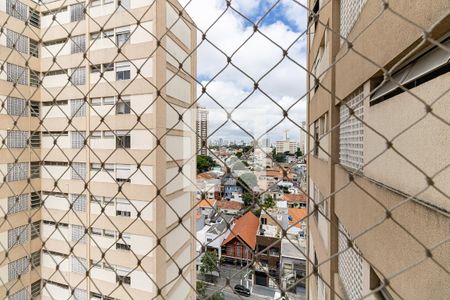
(254, 56)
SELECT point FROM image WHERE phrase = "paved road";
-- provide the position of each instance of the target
(229, 294)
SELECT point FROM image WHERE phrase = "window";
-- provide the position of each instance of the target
(108, 101)
(16, 106)
(16, 74)
(35, 18)
(16, 139)
(20, 295)
(108, 67)
(17, 9)
(108, 33)
(79, 202)
(36, 289)
(35, 259)
(78, 76)
(17, 267)
(96, 68)
(35, 169)
(76, 12)
(34, 48)
(349, 14)
(123, 139)
(34, 78)
(122, 37)
(96, 134)
(123, 106)
(55, 42)
(80, 294)
(35, 109)
(123, 213)
(17, 236)
(108, 233)
(16, 41)
(79, 265)
(351, 132)
(96, 101)
(78, 44)
(108, 134)
(35, 230)
(121, 246)
(123, 71)
(17, 171)
(96, 231)
(78, 139)
(35, 139)
(77, 108)
(35, 198)
(18, 203)
(124, 279)
(78, 234)
(78, 171)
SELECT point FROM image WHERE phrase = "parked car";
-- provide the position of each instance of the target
(242, 290)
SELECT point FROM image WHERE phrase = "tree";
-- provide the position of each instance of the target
(205, 163)
(247, 198)
(269, 202)
(280, 157)
(298, 153)
(201, 289)
(209, 263)
(217, 296)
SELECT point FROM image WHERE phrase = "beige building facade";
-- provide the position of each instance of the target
(97, 149)
(379, 152)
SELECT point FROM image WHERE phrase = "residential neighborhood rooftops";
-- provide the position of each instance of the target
(206, 176)
(293, 197)
(296, 216)
(206, 203)
(229, 205)
(221, 225)
(245, 228)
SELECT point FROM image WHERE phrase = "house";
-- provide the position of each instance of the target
(230, 186)
(240, 244)
(208, 186)
(293, 265)
(229, 207)
(294, 200)
(207, 207)
(217, 233)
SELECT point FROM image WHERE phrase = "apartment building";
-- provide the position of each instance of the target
(375, 147)
(93, 185)
(202, 131)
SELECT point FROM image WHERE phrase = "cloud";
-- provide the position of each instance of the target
(256, 57)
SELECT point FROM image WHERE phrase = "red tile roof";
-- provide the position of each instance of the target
(224, 204)
(293, 197)
(206, 203)
(296, 215)
(205, 176)
(245, 228)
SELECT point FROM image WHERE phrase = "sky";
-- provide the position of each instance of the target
(255, 57)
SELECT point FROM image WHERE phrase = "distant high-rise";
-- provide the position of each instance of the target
(202, 131)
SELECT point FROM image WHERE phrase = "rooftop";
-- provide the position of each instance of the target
(206, 203)
(225, 204)
(245, 229)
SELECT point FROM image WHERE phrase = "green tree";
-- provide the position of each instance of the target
(269, 202)
(298, 153)
(201, 289)
(280, 157)
(217, 296)
(205, 163)
(247, 198)
(209, 263)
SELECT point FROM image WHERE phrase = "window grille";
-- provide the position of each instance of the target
(78, 234)
(77, 108)
(34, 48)
(349, 14)
(79, 265)
(17, 236)
(78, 171)
(18, 203)
(79, 202)
(123, 106)
(122, 37)
(20, 295)
(123, 139)
(17, 171)
(16, 74)
(36, 288)
(35, 109)
(351, 132)
(35, 200)
(77, 139)
(78, 44)
(34, 78)
(78, 76)
(17, 139)
(16, 41)
(35, 259)
(35, 140)
(350, 265)
(35, 230)
(76, 12)
(16, 106)
(35, 169)
(17, 9)
(35, 18)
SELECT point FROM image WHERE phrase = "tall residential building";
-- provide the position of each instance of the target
(286, 145)
(202, 131)
(302, 141)
(92, 93)
(383, 152)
